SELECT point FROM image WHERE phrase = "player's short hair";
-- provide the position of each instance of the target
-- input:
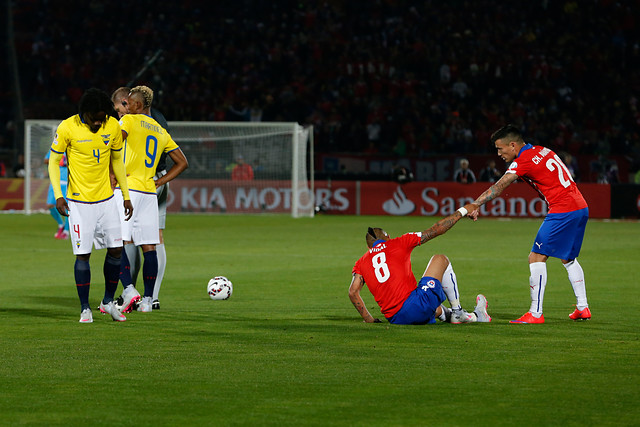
(374, 234)
(145, 93)
(121, 92)
(94, 101)
(508, 131)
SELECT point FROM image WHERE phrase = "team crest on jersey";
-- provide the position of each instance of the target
(106, 138)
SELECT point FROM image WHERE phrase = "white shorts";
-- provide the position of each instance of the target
(94, 224)
(142, 227)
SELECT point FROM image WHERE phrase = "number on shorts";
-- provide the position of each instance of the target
(556, 164)
(380, 267)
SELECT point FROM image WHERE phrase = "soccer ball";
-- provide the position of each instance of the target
(219, 288)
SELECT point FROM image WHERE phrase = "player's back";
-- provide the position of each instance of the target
(386, 269)
(545, 171)
(146, 141)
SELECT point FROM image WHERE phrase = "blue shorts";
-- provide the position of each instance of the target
(560, 235)
(420, 306)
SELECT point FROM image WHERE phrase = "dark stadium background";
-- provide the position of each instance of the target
(378, 79)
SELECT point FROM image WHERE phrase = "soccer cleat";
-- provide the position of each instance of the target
(86, 316)
(155, 305)
(146, 305)
(528, 318)
(129, 297)
(460, 316)
(113, 311)
(481, 309)
(584, 314)
(64, 235)
(58, 234)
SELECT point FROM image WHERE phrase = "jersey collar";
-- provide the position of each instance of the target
(524, 148)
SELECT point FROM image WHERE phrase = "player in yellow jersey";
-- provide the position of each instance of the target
(92, 140)
(145, 142)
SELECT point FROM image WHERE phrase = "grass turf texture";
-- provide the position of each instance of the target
(288, 348)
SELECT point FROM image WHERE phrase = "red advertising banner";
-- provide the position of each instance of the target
(443, 198)
(337, 197)
(369, 198)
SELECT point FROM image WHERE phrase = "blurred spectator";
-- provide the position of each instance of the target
(241, 171)
(18, 168)
(490, 173)
(359, 71)
(463, 174)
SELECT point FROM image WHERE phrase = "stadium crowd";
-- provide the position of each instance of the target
(388, 77)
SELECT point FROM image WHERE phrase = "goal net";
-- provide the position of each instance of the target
(234, 167)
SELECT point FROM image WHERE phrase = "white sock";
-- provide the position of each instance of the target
(162, 265)
(576, 277)
(443, 315)
(537, 285)
(450, 287)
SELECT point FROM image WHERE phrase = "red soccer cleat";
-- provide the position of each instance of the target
(528, 318)
(584, 314)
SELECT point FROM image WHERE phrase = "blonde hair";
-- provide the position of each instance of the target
(145, 93)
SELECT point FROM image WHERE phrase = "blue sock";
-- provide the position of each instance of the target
(111, 274)
(150, 272)
(125, 270)
(66, 223)
(82, 272)
(57, 217)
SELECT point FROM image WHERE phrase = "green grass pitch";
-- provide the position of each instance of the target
(289, 349)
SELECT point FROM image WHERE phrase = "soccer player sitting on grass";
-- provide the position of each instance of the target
(386, 269)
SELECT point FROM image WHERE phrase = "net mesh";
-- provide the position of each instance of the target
(278, 156)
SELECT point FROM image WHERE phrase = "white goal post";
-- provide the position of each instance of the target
(279, 155)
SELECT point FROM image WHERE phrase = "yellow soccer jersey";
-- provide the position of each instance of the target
(146, 141)
(88, 156)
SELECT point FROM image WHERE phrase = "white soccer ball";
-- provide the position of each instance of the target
(219, 288)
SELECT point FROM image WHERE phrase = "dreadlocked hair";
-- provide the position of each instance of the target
(94, 101)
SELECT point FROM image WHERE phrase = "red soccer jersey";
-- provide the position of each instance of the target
(547, 174)
(386, 269)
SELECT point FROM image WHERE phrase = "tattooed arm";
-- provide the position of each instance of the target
(494, 191)
(357, 283)
(445, 224)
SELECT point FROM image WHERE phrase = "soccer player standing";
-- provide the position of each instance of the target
(561, 233)
(145, 142)
(92, 140)
(386, 269)
(121, 104)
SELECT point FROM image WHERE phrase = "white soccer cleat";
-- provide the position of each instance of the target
(481, 309)
(146, 305)
(461, 316)
(86, 316)
(129, 297)
(111, 309)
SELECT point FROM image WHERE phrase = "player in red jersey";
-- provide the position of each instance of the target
(561, 233)
(386, 269)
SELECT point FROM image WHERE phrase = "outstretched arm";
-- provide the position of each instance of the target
(494, 191)
(354, 295)
(445, 224)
